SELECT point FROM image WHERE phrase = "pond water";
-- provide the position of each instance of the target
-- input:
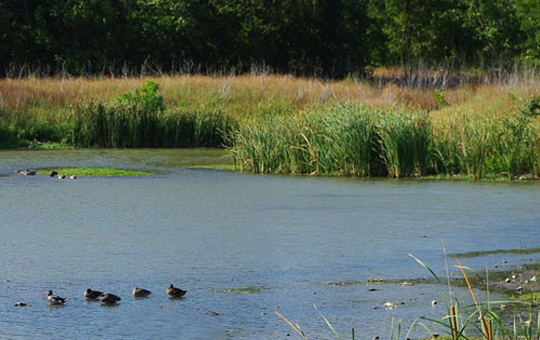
(243, 246)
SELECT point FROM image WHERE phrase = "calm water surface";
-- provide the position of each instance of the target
(281, 239)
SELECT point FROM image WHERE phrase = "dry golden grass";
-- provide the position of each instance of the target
(252, 94)
(488, 101)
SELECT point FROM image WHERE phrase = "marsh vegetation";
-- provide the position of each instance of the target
(280, 124)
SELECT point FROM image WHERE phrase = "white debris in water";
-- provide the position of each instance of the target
(389, 305)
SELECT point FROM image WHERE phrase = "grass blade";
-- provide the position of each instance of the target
(426, 267)
(328, 323)
(293, 326)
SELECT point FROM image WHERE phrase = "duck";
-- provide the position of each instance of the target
(175, 292)
(55, 299)
(140, 292)
(72, 177)
(90, 294)
(20, 304)
(109, 299)
(61, 176)
(27, 172)
(53, 174)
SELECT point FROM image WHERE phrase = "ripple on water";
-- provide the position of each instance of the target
(243, 246)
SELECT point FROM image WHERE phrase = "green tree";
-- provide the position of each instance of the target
(496, 29)
(528, 12)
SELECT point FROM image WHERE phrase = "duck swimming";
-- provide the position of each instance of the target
(90, 294)
(55, 299)
(175, 292)
(140, 293)
(109, 299)
(53, 174)
(27, 172)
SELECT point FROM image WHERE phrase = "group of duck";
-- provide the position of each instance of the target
(111, 299)
(29, 172)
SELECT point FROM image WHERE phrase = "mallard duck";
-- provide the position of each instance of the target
(175, 292)
(90, 294)
(140, 293)
(53, 174)
(109, 299)
(55, 299)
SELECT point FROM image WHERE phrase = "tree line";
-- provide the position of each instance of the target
(329, 38)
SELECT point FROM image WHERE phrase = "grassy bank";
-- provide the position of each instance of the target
(281, 124)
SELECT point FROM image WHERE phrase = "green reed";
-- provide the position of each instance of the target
(343, 139)
(488, 147)
(128, 124)
(353, 140)
(406, 143)
(30, 127)
(516, 150)
(335, 142)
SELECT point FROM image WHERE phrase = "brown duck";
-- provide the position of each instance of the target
(109, 299)
(90, 294)
(175, 292)
(140, 292)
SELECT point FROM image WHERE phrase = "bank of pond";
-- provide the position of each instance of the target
(345, 139)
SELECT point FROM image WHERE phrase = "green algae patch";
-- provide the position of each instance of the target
(346, 283)
(247, 290)
(221, 167)
(496, 252)
(95, 172)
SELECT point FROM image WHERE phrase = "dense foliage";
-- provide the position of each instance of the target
(315, 37)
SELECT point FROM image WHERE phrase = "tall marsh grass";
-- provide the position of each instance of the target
(488, 146)
(339, 141)
(352, 139)
(128, 125)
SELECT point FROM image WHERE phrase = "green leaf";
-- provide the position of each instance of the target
(328, 323)
(425, 266)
